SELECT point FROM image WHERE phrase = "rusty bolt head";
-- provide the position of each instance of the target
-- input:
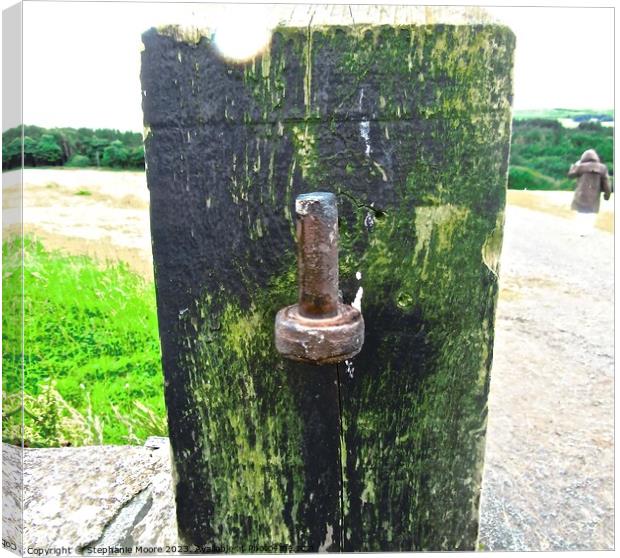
(319, 329)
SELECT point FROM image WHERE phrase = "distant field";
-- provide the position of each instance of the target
(554, 114)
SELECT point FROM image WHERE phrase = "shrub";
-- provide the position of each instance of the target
(591, 126)
(549, 165)
(136, 157)
(523, 178)
(47, 151)
(115, 155)
(78, 161)
(538, 123)
(567, 184)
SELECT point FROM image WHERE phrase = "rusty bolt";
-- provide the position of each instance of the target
(319, 329)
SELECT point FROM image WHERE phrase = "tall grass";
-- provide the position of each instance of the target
(92, 371)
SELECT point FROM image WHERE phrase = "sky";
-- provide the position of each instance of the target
(82, 59)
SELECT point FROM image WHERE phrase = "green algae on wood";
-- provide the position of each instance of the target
(410, 127)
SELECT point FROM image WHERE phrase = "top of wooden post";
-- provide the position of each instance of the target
(206, 19)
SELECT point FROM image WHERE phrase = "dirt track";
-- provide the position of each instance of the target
(548, 481)
(102, 214)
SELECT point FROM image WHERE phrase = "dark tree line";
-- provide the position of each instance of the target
(541, 151)
(82, 147)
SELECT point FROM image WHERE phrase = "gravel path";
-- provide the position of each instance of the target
(548, 480)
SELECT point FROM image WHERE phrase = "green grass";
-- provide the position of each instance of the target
(92, 357)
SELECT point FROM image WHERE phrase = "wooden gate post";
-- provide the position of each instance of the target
(409, 125)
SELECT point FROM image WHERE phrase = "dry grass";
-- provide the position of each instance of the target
(558, 204)
(103, 251)
(128, 201)
(539, 201)
(605, 222)
(509, 294)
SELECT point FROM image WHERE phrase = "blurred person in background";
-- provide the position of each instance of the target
(592, 179)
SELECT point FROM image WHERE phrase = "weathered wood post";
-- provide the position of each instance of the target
(409, 125)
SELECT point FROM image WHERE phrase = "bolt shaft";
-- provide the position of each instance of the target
(317, 245)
